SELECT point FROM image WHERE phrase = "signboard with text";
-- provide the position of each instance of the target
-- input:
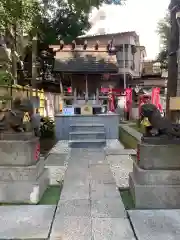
(68, 111)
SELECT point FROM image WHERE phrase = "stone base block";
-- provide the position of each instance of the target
(156, 177)
(154, 196)
(159, 157)
(22, 173)
(24, 191)
(19, 152)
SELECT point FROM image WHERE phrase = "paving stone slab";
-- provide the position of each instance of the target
(121, 152)
(156, 224)
(101, 173)
(113, 144)
(100, 191)
(75, 192)
(120, 166)
(111, 229)
(108, 208)
(71, 228)
(76, 176)
(25, 222)
(56, 159)
(75, 208)
(61, 147)
(97, 158)
(56, 174)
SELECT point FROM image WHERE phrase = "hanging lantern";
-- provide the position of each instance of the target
(73, 44)
(85, 45)
(97, 45)
(61, 44)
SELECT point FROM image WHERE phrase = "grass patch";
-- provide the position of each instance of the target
(137, 128)
(127, 140)
(51, 195)
(127, 199)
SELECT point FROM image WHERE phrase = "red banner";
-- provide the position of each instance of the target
(155, 99)
(111, 105)
(128, 100)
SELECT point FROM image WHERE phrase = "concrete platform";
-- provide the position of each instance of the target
(111, 229)
(156, 224)
(26, 222)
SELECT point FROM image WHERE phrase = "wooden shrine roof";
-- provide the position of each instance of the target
(85, 61)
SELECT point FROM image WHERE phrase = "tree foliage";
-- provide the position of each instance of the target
(64, 22)
(163, 30)
(19, 12)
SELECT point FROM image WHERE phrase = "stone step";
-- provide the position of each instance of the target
(95, 127)
(79, 135)
(87, 143)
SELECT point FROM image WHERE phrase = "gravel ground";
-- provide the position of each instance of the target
(121, 166)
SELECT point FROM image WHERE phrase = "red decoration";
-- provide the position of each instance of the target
(156, 98)
(69, 90)
(37, 152)
(111, 106)
(128, 101)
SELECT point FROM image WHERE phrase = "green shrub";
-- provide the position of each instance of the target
(47, 128)
(5, 78)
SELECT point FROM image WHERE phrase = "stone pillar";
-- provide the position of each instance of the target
(75, 96)
(86, 94)
(23, 178)
(124, 65)
(178, 57)
(155, 180)
(97, 96)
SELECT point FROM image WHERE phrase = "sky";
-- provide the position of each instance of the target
(141, 16)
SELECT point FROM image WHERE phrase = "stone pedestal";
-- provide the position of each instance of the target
(155, 180)
(23, 177)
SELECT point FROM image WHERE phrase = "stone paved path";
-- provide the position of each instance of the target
(90, 207)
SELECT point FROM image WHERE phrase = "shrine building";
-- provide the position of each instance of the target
(100, 61)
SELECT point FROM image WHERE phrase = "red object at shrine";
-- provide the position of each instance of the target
(69, 90)
(111, 106)
(128, 99)
(37, 152)
(116, 91)
(155, 99)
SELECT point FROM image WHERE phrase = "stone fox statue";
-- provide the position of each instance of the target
(11, 120)
(159, 123)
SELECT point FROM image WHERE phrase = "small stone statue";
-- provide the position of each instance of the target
(160, 124)
(11, 120)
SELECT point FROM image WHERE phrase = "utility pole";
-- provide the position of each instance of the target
(172, 58)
